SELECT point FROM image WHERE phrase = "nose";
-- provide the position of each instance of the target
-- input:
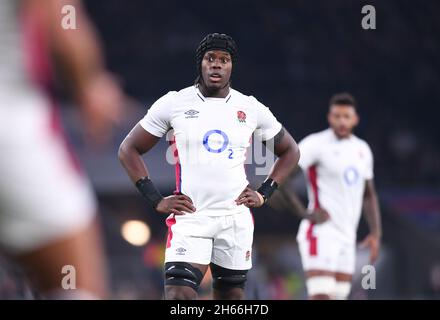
(216, 64)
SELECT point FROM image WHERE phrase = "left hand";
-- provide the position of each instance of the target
(373, 242)
(250, 198)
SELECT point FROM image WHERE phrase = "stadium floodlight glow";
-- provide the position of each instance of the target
(136, 232)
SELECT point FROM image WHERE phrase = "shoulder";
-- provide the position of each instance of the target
(362, 143)
(185, 93)
(316, 137)
(239, 97)
(243, 98)
(181, 94)
(172, 98)
(167, 98)
(188, 91)
(364, 147)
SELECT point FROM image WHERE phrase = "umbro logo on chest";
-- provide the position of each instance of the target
(191, 113)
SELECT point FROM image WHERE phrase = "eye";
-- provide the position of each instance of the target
(225, 60)
(210, 59)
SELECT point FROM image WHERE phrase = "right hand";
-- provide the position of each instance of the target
(250, 198)
(318, 216)
(372, 241)
(176, 204)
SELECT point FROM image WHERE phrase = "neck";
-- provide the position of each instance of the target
(214, 92)
(341, 137)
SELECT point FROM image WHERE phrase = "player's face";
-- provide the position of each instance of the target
(216, 69)
(342, 119)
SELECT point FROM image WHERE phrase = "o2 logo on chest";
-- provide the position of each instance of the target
(216, 141)
(351, 176)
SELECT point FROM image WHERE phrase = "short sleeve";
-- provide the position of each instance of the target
(369, 174)
(308, 152)
(158, 118)
(267, 125)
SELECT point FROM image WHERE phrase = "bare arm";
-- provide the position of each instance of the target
(138, 142)
(372, 215)
(79, 57)
(287, 151)
(289, 194)
(79, 50)
(296, 206)
(372, 210)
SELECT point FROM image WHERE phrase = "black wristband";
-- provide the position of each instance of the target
(267, 188)
(149, 191)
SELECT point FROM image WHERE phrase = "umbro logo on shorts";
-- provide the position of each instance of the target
(181, 251)
(191, 113)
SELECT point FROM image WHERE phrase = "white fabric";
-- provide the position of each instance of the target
(15, 52)
(212, 135)
(342, 167)
(342, 290)
(324, 248)
(321, 285)
(223, 240)
(43, 197)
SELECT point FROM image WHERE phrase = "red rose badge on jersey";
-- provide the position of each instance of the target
(241, 116)
(248, 255)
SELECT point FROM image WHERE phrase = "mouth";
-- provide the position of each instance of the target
(215, 77)
(342, 131)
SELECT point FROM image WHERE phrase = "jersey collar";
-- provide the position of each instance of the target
(335, 137)
(204, 99)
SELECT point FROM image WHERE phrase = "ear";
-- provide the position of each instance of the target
(356, 119)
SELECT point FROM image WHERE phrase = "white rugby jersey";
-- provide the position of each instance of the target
(211, 137)
(336, 171)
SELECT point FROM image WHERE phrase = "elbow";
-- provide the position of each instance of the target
(297, 153)
(294, 154)
(122, 152)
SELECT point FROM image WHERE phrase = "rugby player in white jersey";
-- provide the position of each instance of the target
(209, 220)
(339, 171)
(47, 206)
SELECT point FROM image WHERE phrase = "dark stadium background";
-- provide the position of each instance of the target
(293, 55)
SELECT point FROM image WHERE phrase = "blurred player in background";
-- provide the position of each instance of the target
(210, 223)
(47, 206)
(339, 170)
